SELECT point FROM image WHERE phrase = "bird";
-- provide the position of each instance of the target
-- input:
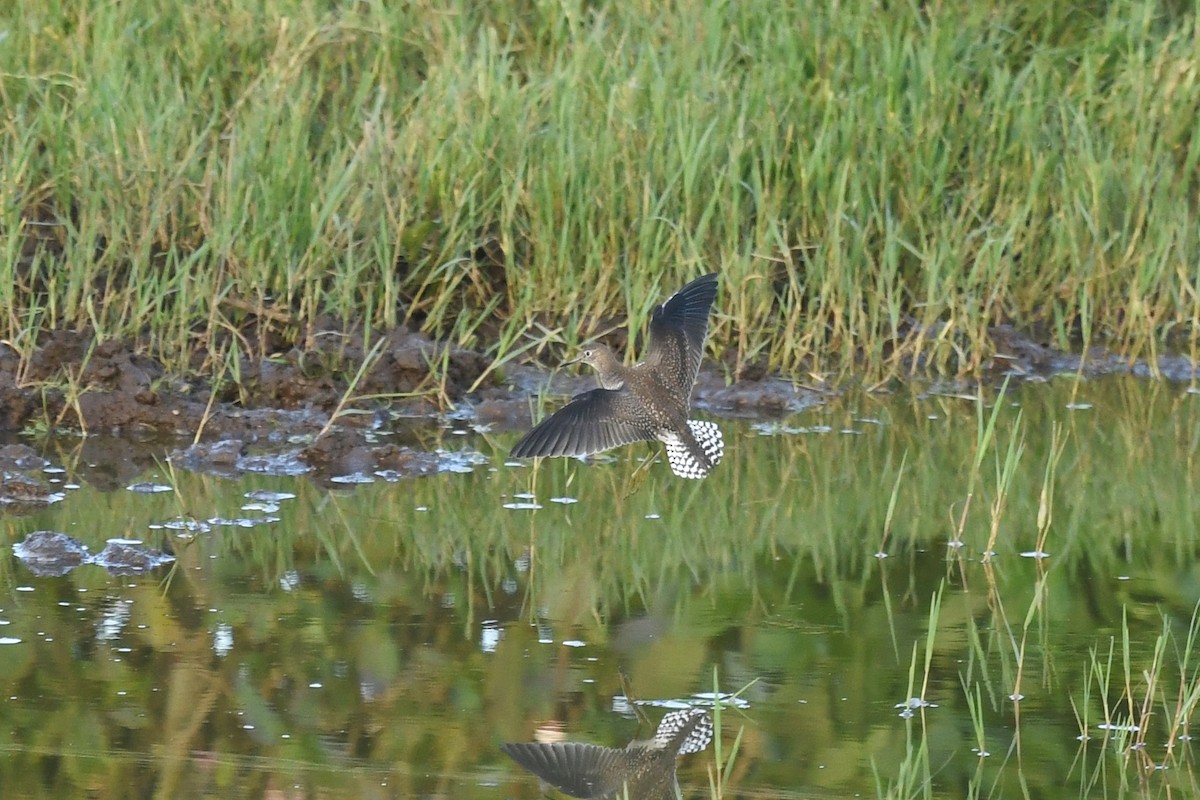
(643, 770)
(646, 402)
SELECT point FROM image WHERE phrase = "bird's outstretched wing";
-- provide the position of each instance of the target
(593, 421)
(678, 328)
(580, 770)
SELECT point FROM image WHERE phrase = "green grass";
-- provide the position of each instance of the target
(876, 185)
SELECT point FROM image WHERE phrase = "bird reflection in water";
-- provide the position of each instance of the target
(643, 770)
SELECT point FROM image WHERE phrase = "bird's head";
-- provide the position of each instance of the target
(600, 358)
(596, 356)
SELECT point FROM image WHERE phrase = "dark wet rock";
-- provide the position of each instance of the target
(338, 451)
(17, 405)
(224, 453)
(218, 458)
(21, 457)
(512, 412)
(114, 367)
(55, 350)
(288, 386)
(127, 558)
(345, 453)
(285, 463)
(22, 494)
(406, 461)
(50, 554)
(766, 397)
(404, 365)
(1017, 353)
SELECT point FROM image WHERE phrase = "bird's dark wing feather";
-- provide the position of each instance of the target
(592, 422)
(580, 770)
(678, 329)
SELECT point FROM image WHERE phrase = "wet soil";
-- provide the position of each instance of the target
(75, 382)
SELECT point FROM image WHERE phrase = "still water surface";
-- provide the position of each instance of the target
(382, 640)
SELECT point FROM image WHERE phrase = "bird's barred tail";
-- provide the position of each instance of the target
(689, 461)
(685, 731)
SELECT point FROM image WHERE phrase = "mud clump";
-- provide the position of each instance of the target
(22, 489)
(50, 553)
(53, 554)
(129, 558)
(72, 380)
(288, 390)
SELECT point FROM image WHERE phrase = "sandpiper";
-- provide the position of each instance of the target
(646, 402)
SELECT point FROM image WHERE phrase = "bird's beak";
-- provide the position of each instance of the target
(571, 361)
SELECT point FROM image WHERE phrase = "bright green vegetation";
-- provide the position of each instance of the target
(874, 183)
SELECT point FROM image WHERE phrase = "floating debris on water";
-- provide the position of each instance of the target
(522, 506)
(264, 496)
(912, 705)
(145, 487)
(242, 522)
(185, 524)
(566, 501)
(460, 461)
(287, 463)
(352, 478)
(723, 698)
(779, 429)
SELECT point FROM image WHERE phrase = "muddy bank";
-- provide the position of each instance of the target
(72, 381)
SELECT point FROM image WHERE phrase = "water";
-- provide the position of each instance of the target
(382, 639)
